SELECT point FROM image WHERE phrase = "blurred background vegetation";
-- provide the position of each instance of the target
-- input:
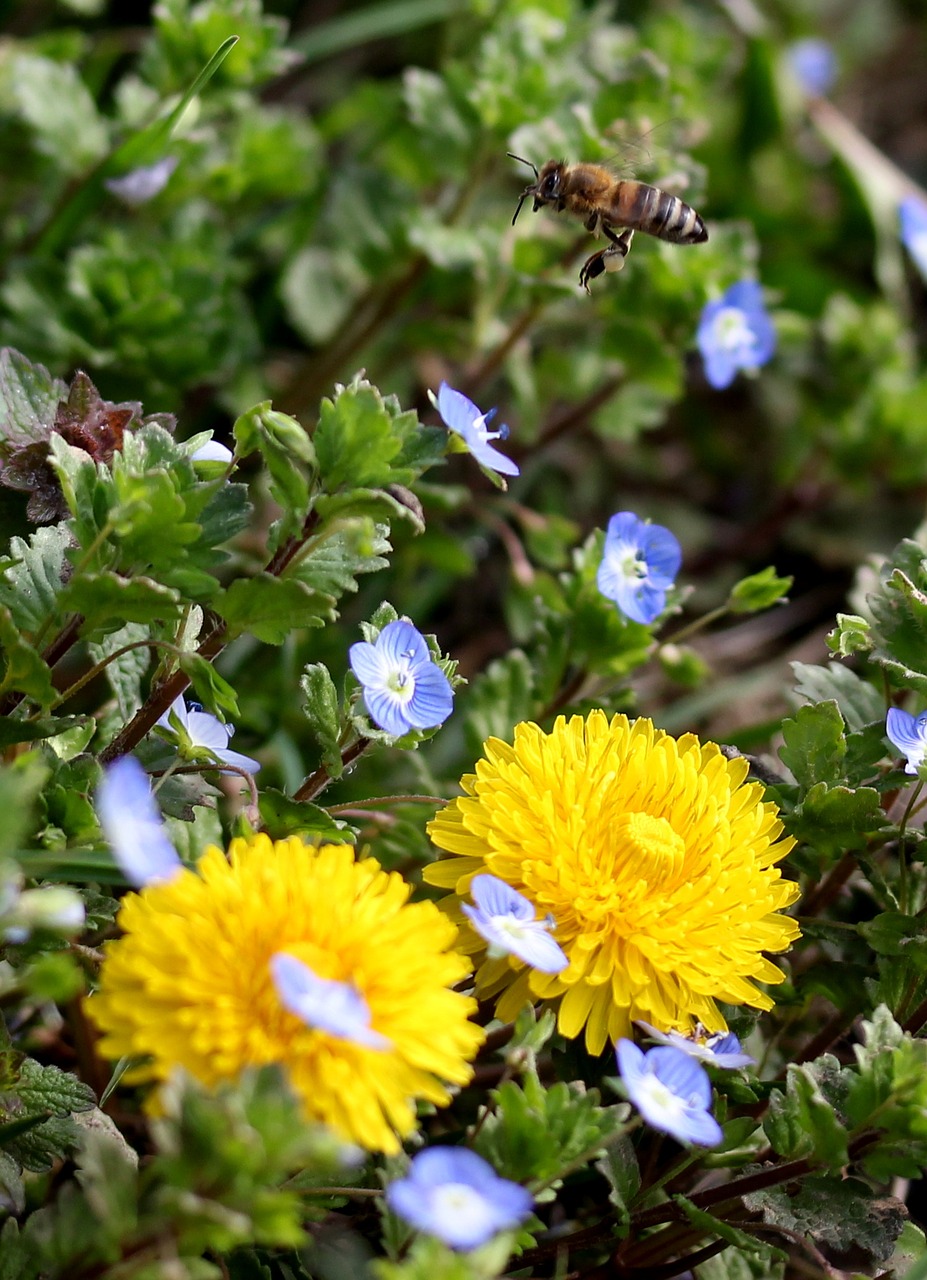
(342, 200)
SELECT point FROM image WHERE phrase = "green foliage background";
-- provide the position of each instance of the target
(335, 240)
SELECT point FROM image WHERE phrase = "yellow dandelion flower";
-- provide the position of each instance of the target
(654, 857)
(190, 983)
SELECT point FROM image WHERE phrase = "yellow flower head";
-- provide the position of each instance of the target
(654, 858)
(190, 983)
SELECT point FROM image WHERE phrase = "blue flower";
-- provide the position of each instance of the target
(464, 418)
(205, 733)
(335, 1007)
(909, 734)
(404, 688)
(813, 64)
(720, 1050)
(639, 565)
(735, 332)
(132, 824)
(671, 1091)
(453, 1194)
(913, 214)
(142, 184)
(506, 919)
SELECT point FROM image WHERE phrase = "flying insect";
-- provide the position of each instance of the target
(616, 207)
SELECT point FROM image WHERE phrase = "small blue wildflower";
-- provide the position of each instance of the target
(507, 920)
(813, 64)
(671, 1091)
(913, 214)
(639, 565)
(138, 186)
(335, 1007)
(453, 1194)
(720, 1050)
(404, 688)
(463, 418)
(909, 734)
(132, 824)
(735, 332)
(206, 732)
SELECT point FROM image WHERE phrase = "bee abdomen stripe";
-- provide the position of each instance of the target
(666, 216)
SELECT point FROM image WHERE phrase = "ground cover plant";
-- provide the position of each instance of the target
(462, 665)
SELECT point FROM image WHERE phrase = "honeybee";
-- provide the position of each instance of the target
(605, 203)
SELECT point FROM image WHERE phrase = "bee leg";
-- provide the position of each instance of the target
(609, 259)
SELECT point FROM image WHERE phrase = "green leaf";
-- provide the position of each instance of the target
(21, 782)
(814, 747)
(29, 396)
(272, 608)
(759, 591)
(21, 667)
(323, 713)
(712, 1226)
(834, 819)
(893, 934)
(33, 576)
(851, 635)
(283, 817)
(330, 563)
(532, 1132)
(283, 445)
(108, 601)
(500, 697)
(13, 731)
(839, 1214)
(859, 703)
(49, 1096)
(803, 1121)
(359, 442)
(124, 674)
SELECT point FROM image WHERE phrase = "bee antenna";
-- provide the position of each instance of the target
(521, 160)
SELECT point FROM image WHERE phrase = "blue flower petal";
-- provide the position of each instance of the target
(909, 735)
(454, 1195)
(671, 1091)
(463, 417)
(323, 1004)
(132, 824)
(496, 898)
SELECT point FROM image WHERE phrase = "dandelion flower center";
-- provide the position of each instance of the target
(654, 857)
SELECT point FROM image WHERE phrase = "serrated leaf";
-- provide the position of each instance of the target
(803, 1122)
(893, 934)
(33, 577)
(331, 563)
(322, 712)
(124, 673)
(501, 696)
(859, 703)
(837, 1213)
(107, 601)
(281, 817)
(838, 818)
(377, 504)
(12, 1191)
(361, 438)
(13, 730)
(29, 396)
(814, 747)
(272, 608)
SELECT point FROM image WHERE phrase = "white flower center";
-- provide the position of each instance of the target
(633, 567)
(733, 332)
(461, 1204)
(400, 680)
